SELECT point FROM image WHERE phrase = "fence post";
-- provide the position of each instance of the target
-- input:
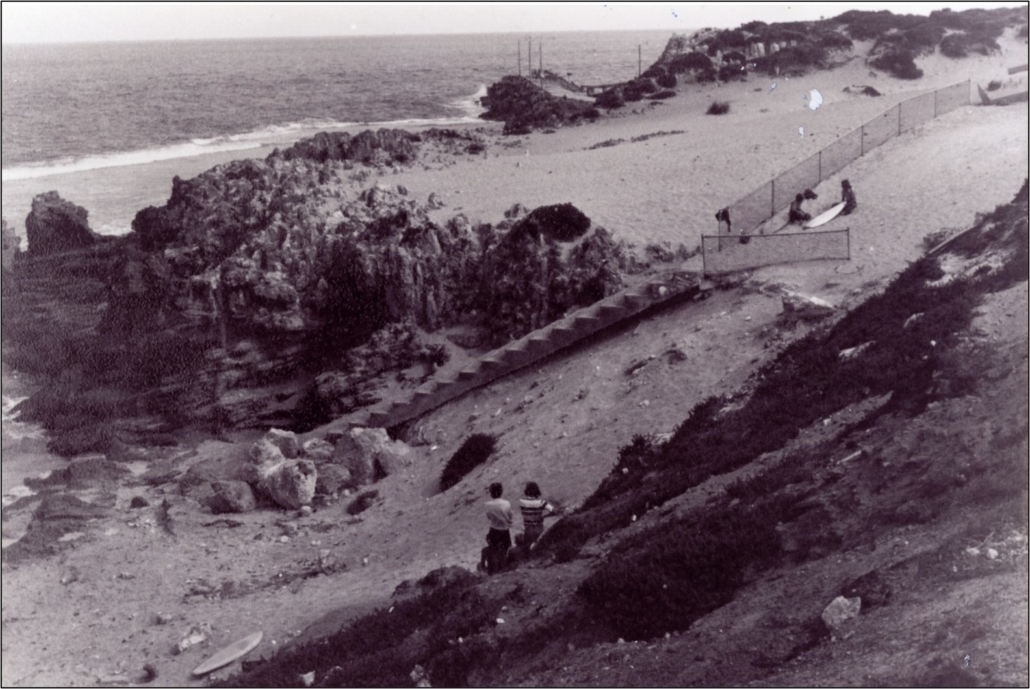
(772, 199)
(863, 141)
(935, 104)
(899, 119)
(847, 233)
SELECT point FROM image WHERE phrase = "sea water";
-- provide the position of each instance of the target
(75, 107)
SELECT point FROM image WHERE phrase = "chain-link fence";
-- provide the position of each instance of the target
(751, 211)
(724, 254)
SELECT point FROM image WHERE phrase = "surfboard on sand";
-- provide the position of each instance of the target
(228, 654)
(825, 216)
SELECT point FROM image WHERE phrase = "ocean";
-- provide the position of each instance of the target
(78, 107)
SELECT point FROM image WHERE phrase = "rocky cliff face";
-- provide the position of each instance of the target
(523, 106)
(238, 302)
(55, 225)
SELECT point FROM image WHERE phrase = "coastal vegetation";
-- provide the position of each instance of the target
(659, 579)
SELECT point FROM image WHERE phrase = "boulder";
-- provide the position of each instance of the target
(286, 441)
(370, 454)
(265, 453)
(797, 306)
(231, 497)
(318, 450)
(333, 478)
(290, 484)
(55, 225)
(840, 610)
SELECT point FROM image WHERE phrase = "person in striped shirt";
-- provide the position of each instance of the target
(534, 509)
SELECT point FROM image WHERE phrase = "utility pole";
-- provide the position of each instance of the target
(520, 57)
(529, 57)
(541, 49)
(639, 63)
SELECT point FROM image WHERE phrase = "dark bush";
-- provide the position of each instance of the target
(632, 92)
(517, 127)
(473, 452)
(362, 502)
(645, 86)
(476, 147)
(732, 73)
(718, 107)
(691, 62)
(900, 64)
(993, 85)
(832, 40)
(707, 76)
(663, 95)
(610, 99)
(734, 56)
(724, 40)
(562, 222)
(667, 81)
(675, 574)
(954, 46)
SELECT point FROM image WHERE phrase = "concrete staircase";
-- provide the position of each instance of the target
(523, 352)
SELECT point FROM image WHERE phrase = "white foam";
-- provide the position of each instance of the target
(270, 135)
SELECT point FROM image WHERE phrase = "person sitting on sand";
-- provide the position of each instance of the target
(847, 195)
(798, 216)
(534, 509)
(498, 538)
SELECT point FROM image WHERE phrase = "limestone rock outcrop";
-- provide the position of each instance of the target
(55, 225)
(369, 454)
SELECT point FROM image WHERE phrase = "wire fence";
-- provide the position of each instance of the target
(763, 203)
(725, 253)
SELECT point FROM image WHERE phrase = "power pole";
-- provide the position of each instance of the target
(541, 49)
(529, 57)
(639, 63)
(520, 57)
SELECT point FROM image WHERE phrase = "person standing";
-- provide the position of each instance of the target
(498, 538)
(847, 195)
(533, 509)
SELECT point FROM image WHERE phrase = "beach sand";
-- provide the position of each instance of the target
(576, 410)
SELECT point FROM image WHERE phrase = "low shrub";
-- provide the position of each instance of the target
(632, 92)
(690, 62)
(476, 449)
(954, 46)
(668, 578)
(663, 95)
(734, 56)
(993, 85)
(732, 73)
(707, 76)
(899, 63)
(645, 86)
(610, 99)
(562, 222)
(666, 81)
(718, 107)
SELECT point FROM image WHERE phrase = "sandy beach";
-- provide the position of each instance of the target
(87, 615)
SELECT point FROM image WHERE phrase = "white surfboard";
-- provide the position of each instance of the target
(825, 216)
(235, 650)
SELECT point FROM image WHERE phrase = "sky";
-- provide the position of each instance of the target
(40, 22)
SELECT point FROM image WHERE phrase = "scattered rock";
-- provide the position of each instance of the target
(318, 450)
(232, 497)
(308, 678)
(163, 618)
(333, 478)
(370, 455)
(291, 483)
(420, 677)
(286, 441)
(196, 635)
(840, 610)
(148, 673)
(797, 306)
(852, 352)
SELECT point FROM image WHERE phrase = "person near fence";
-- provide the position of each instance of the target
(797, 215)
(723, 216)
(494, 557)
(847, 195)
